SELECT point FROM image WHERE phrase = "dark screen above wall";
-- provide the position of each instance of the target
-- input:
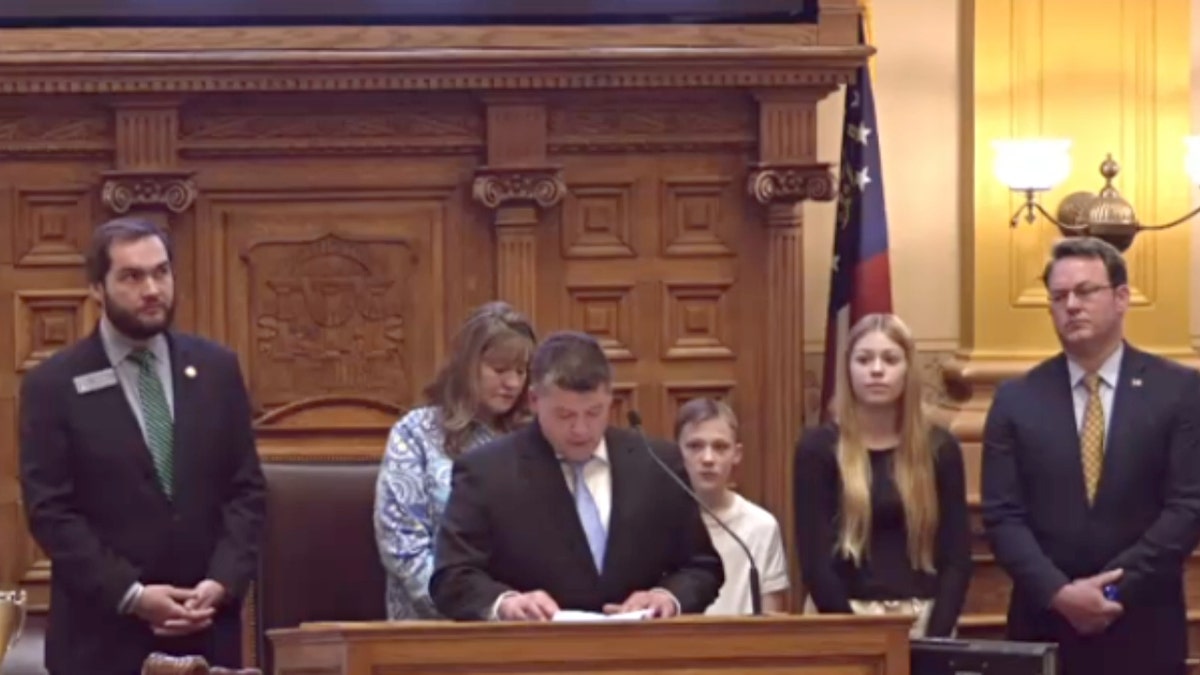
(400, 12)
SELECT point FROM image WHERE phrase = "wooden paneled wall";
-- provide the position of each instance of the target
(340, 198)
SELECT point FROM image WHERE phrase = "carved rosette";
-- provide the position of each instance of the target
(499, 187)
(124, 190)
(794, 183)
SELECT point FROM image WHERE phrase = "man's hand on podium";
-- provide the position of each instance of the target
(532, 606)
(658, 600)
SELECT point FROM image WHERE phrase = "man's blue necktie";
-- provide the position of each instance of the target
(589, 516)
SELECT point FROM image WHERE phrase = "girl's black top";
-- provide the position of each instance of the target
(886, 573)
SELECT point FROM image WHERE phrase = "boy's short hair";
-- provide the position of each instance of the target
(700, 410)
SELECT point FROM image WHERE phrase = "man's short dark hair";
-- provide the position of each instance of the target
(1093, 248)
(572, 361)
(119, 230)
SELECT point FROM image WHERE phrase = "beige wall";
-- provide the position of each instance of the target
(917, 97)
(917, 81)
(1195, 270)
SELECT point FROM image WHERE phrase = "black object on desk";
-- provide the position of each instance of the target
(942, 656)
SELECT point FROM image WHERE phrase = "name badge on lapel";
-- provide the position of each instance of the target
(101, 379)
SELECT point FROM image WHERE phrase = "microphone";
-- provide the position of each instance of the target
(635, 421)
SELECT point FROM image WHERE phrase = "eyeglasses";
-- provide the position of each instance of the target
(1083, 293)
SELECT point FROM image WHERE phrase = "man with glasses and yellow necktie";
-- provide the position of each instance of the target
(1091, 481)
(140, 474)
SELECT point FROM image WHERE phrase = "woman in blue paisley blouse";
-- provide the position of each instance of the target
(479, 394)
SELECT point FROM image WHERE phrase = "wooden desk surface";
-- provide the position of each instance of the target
(775, 645)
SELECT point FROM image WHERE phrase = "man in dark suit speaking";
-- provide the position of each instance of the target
(140, 475)
(570, 514)
(1091, 482)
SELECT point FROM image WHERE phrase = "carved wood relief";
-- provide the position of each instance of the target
(337, 211)
(338, 296)
(303, 124)
(607, 125)
(66, 129)
(328, 318)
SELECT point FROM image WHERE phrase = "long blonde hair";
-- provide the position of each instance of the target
(914, 460)
(493, 330)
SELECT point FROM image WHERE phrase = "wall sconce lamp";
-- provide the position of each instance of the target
(1031, 166)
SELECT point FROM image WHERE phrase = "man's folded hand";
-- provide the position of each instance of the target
(167, 610)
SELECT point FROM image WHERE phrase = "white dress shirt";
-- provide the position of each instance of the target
(118, 347)
(597, 474)
(1110, 373)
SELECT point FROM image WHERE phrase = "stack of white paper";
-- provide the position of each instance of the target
(572, 615)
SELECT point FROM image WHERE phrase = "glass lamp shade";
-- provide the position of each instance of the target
(1192, 162)
(1033, 164)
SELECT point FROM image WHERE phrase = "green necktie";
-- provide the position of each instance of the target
(156, 415)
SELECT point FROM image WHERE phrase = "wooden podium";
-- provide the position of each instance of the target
(765, 645)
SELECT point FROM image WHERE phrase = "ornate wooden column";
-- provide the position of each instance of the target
(517, 185)
(786, 175)
(145, 180)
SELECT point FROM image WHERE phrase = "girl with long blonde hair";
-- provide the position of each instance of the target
(880, 493)
(479, 393)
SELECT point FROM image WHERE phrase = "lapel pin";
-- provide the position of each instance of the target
(190, 371)
(1137, 382)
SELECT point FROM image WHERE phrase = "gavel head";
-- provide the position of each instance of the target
(163, 664)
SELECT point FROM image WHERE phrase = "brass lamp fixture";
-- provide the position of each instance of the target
(1030, 166)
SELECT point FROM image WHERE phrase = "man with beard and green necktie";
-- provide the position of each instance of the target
(140, 474)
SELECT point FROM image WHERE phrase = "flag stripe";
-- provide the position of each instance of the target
(871, 276)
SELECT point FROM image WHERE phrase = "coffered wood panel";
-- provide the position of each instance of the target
(650, 255)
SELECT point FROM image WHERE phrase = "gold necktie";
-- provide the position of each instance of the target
(1091, 438)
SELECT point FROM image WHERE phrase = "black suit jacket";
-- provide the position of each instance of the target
(1145, 518)
(511, 525)
(95, 506)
